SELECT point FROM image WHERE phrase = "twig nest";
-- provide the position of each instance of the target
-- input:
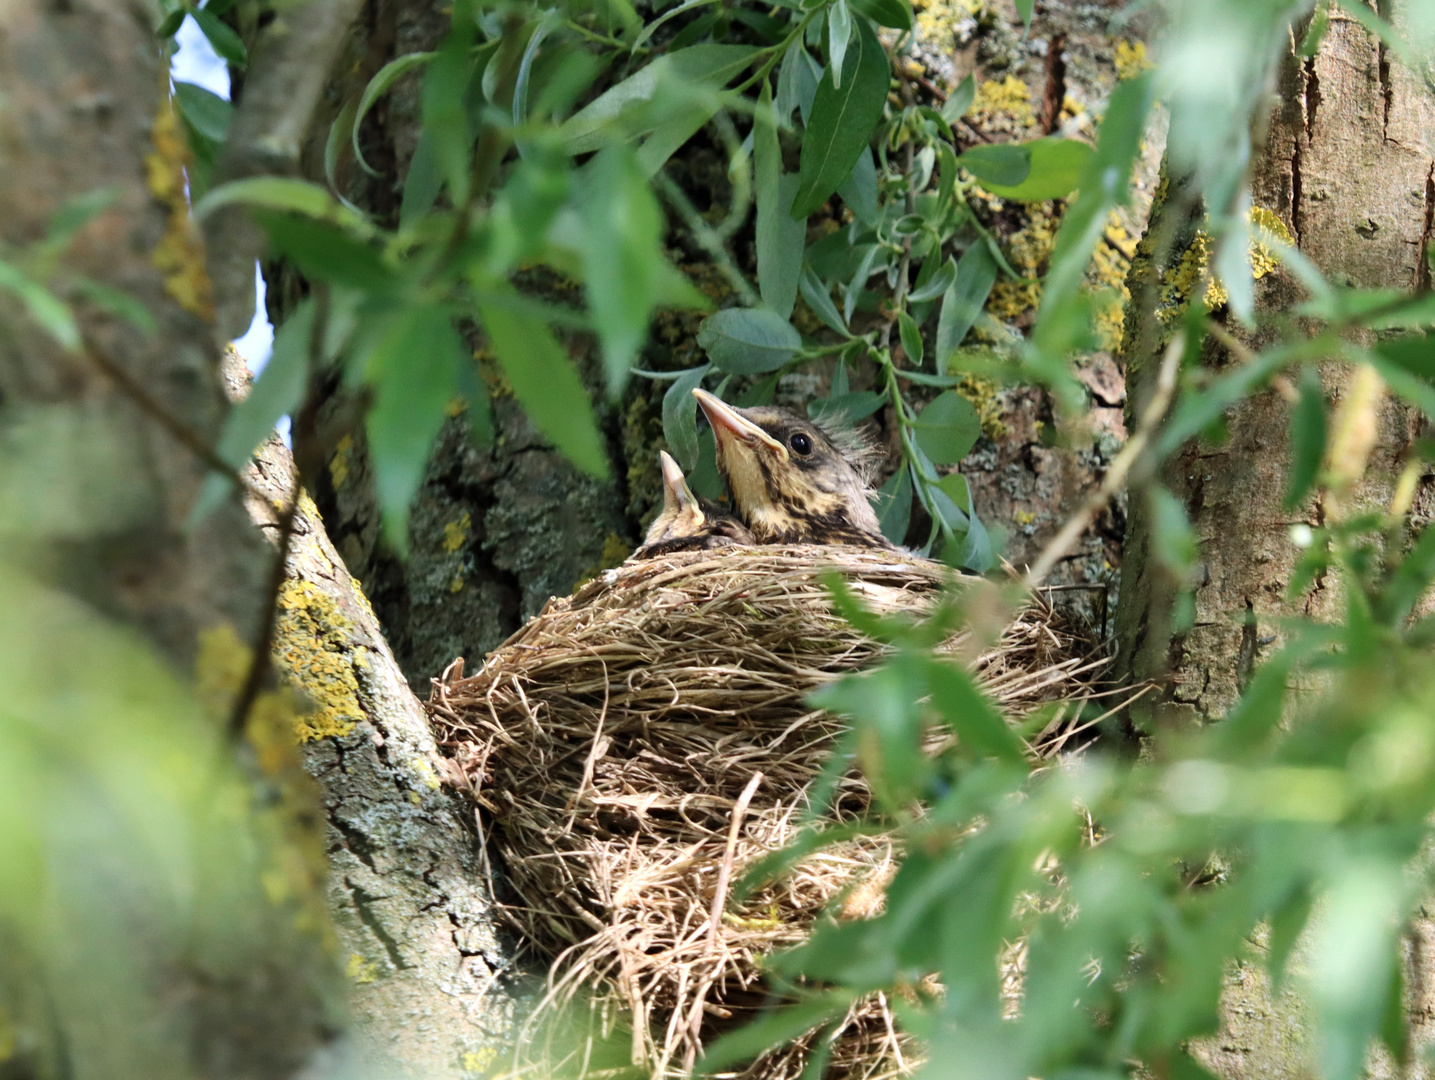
(636, 746)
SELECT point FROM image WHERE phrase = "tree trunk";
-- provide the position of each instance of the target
(1347, 168)
(84, 88)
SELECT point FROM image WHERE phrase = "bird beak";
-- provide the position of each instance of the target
(676, 492)
(729, 424)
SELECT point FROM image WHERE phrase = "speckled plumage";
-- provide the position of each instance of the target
(688, 522)
(794, 480)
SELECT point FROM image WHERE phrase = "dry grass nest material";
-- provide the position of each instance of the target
(613, 743)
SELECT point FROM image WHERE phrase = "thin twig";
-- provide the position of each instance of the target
(259, 661)
(182, 433)
(739, 811)
(706, 236)
(1115, 477)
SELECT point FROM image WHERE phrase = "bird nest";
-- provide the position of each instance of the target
(635, 747)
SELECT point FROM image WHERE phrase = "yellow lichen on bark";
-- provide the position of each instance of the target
(179, 255)
(312, 646)
(1131, 59)
(999, 104)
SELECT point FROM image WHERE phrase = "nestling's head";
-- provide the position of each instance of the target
(793, 480)
(687, 522)
(681, 515)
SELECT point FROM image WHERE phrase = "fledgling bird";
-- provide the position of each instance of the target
(792, 480)
(688, 522)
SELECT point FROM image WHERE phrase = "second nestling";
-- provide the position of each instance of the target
(792, 481)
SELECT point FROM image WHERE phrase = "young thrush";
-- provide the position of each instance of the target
(687, 522)
(792, 480)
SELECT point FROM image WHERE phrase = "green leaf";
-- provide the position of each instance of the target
(713, 65)
(859, 190)
(225, 41)
(842, 120)
(911, 338)
(170, 24)
(445, 113)
(672, 12)
(850, 407)
(969, 713)
(893, 14)
(680, 416)
(748, 341)
(413, 366)
(44, 307)
(384, 78)
(924, 379)
(206, 111)
(780, 239)
(774, 1028)
(948, 428)
(422, 182)
(282, 193)
(894, 510)
(546, 385)
(116, 303)
(78, 212)
(1105, 185)
(937, 284)
(620, 257)
(796, 83)
(963, 300)
(1173, 542)
(1056, 168)
(671, 135)
(277, 391)
(1024, 8)
(839, 32)
(1003, 164)
(674, 289)
(960, 100)
(1307, 437)
(325, 253)
(819, 299)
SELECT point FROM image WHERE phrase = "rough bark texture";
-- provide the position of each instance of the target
(431, 980)
(83, 86)
(1346, 167)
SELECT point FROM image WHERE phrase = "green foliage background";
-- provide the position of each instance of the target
(545, 136)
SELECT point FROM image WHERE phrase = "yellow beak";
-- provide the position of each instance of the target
(676, 492)
(728, 424)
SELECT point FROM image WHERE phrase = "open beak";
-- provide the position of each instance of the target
(675, 485)
(729, 424)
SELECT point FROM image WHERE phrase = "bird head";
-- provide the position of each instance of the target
(681, 514)
(792, 480)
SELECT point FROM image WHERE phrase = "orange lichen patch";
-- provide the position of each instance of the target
(313, 642)
(179, 256)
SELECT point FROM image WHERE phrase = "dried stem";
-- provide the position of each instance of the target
(1115, 477)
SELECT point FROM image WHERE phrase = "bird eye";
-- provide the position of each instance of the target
(801, 443)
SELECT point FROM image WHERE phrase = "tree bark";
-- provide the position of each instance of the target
(117, 417)
(1346, 167)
